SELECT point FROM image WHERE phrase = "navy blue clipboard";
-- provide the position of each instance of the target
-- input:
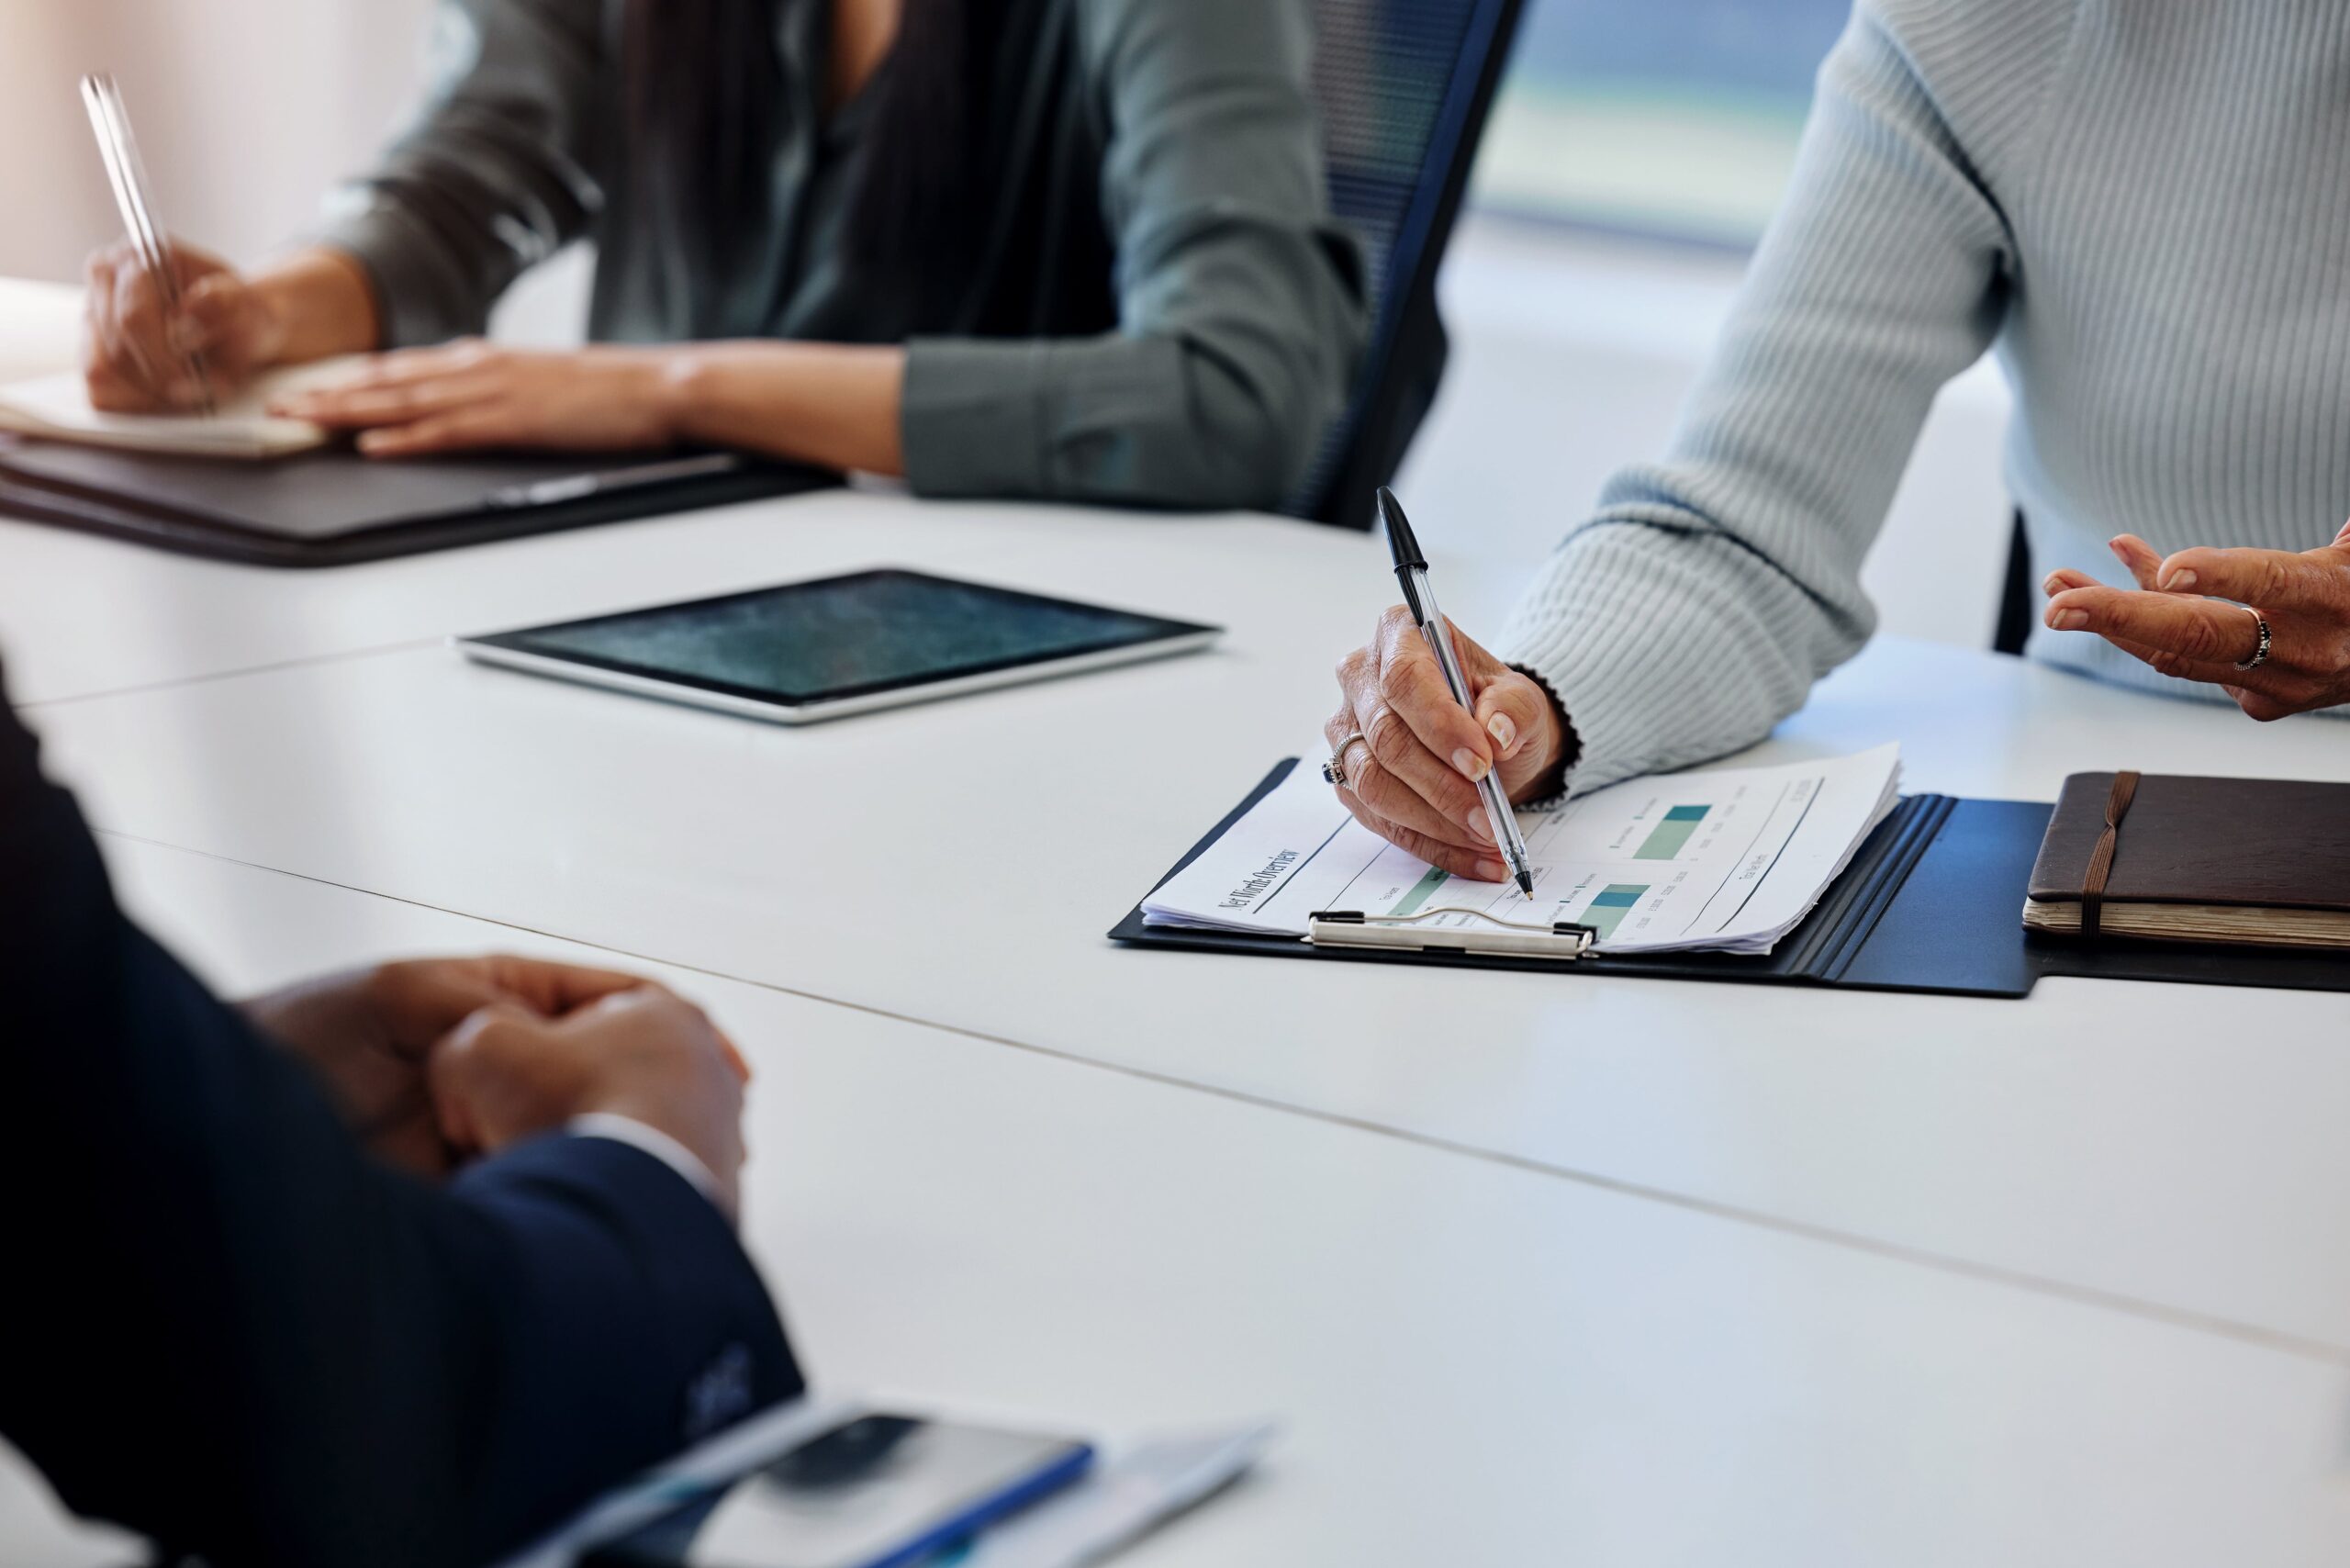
(1932, 902)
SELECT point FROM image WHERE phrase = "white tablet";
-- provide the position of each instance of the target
(851, 645)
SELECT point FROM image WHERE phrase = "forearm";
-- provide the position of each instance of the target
(319, 302)
(1667, 648)
(832, 405)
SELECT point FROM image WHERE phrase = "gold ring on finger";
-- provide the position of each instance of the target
(2261, 646)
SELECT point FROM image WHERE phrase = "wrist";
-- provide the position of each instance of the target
(313, 304)
(677, 389)
(1557, 746)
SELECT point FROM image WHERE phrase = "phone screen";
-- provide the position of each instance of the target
(876, 1490)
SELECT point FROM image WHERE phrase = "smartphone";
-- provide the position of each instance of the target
(874, 1491)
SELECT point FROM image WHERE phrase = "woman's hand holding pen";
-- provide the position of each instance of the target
(2198, 615)
(1412, 757)
(136, 352)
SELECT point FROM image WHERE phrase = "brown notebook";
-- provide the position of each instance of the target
(2254, 860)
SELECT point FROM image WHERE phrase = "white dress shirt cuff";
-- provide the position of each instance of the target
(653, 1141)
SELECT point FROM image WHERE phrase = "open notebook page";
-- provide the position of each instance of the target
(1729, 859)
(57, 408)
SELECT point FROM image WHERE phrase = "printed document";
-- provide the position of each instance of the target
(1727, 860)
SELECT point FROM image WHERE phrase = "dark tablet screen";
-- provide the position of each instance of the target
(843, 637)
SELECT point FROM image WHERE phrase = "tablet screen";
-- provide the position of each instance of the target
(843, 637)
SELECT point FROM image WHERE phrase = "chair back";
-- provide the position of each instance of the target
(1403, 87)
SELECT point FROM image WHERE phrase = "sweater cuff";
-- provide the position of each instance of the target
(1588, 628)
(969, 423)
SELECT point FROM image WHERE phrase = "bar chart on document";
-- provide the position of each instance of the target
(1727, 858)
(1664, 861)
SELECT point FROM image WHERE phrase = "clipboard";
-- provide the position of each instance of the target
(1931, 903)
(335, 508)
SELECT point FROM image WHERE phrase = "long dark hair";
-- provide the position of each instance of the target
(705, 92)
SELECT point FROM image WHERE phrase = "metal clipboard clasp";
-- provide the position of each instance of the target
(1488, 933)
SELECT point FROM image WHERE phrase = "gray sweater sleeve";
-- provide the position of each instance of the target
(1241, 319)
(1711, 589)
(494, 174)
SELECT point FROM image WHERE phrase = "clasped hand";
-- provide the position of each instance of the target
(2189, 617)
(437, 1061)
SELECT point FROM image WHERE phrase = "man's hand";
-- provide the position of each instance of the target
(509, 1074)
(1412, 778)
(2188, 619)
(367, 1034)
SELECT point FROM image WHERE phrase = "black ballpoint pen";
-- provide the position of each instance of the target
(1412, 572)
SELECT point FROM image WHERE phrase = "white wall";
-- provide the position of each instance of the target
(1571, 356)
(245, 109)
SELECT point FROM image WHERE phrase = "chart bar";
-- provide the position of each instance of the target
(1613, 902)
(1421, 892)
(1666, 839)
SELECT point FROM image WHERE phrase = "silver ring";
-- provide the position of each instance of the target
(2260, 654)
(1335, 770)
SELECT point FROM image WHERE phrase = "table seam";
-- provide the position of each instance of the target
(340, 656)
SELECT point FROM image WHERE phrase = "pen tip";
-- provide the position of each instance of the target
(1526, 883)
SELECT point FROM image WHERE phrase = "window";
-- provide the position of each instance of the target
(1674, 118)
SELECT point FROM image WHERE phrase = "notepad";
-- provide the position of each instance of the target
(2258, 861)
(57, 408)
(1723, 860)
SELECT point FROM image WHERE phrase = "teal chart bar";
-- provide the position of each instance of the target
(1667, 838)
(1613, 902)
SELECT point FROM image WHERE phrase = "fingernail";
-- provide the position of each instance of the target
(1491, 871)
(1469, 764)
(2070, 620)
(1476, 824)
(1504, 733)
(2176, 581)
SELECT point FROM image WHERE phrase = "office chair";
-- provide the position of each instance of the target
(2018, 596)
(1403, 87)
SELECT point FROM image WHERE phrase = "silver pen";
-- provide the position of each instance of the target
(110, 123)
(1412, 571)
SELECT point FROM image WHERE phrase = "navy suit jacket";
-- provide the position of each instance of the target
(225, 1327)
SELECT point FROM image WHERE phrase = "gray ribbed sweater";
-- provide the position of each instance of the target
(2143, 204)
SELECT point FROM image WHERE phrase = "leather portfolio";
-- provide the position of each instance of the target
(1929, 903)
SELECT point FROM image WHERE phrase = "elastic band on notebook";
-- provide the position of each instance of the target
(2117, 806)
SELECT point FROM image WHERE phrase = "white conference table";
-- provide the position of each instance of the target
(2150, 1167)
(2173, 1148)
(1476, 1364)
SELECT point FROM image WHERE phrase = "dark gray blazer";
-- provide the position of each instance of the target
(1160, 310)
